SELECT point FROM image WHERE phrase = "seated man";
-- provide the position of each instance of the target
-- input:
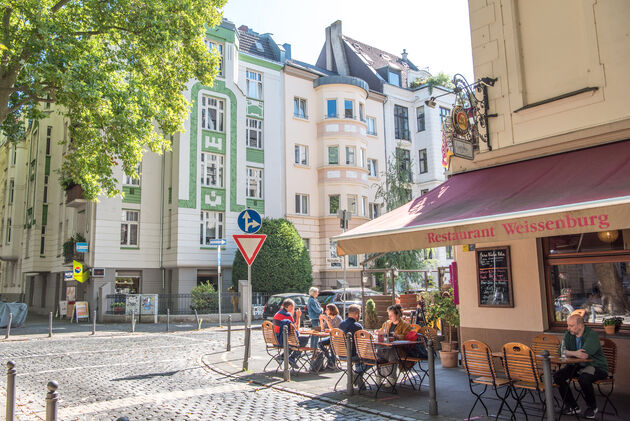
(351, 325)
(581, 342)
(284, 317)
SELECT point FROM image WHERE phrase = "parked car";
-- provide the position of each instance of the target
(273, 305)
(337, 297)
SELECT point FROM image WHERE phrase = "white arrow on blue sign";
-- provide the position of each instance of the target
(218, 242)
(82, 247)
(249, 221)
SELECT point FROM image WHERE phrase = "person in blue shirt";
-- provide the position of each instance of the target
(351, 325)
(314, 311)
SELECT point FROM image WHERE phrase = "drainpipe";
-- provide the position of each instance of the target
(162, 220)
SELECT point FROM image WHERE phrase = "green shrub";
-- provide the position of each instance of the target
(204, 298)
(283, 263)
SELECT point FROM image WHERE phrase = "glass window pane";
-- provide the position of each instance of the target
(133, 235)
(123, 234)
(332, 108)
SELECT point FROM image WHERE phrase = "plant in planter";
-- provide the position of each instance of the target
(440, 305)
(68, 246)
(371, 318)
(612, 325)
(118, 307)
(205, 299)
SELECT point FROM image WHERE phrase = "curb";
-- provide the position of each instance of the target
(370, 411)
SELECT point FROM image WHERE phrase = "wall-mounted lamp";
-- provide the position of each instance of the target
(430, 102)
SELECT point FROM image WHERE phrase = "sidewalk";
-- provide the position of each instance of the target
(453, 394)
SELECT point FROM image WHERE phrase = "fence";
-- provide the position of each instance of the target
(260, 298)
(180, 303)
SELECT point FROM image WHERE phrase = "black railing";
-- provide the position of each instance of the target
(260, 298)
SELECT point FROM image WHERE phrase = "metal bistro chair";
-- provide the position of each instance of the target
(609, 348)
(409, 364)
(378, 370)
(520, 366)
(272, 346)
(338, 344)
(304, 353)
(481, 372)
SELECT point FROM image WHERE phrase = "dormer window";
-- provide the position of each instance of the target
(393, 77)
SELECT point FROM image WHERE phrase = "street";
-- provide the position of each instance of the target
(155, 376)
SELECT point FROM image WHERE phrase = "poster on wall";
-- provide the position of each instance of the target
(63, 308)
(494, 279)
(133, 303)
(71, 294)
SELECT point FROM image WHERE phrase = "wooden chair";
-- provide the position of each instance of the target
(378, 370)
(409, 363)
(480, 368)
(303, 354)
(272, 346)
(338, 344)
(520, 366)
(545, 342)
(415, 327)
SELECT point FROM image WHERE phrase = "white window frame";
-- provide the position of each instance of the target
(9, 231)
(219, 47)
(334, 255)
(11, 191)
(210, 161)
(345, 110)
(351, 152)
(217, 105)
(373, 128)
(129, 223)
(327, 113)
(301, 154)
(253, 125)
(299, 108)
(330, 196)
(352, 202)
(374, 210)
(255, 180)
(372, 166)
(253, 84)
(206, 219)
(364, 206)
(131, 181)
(423, 161)
(301, 204)
(361, 111)
(328, 150)
(361, 157)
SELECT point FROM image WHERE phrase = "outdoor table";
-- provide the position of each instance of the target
(312, 332)
(397, 345)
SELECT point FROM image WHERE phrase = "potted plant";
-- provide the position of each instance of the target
(118, 307)
(612, 325)
(441, 306)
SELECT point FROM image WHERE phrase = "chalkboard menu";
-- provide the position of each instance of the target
(494, 280)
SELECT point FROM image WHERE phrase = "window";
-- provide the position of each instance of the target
(404, 162)
(449, 252)
(212, 113)
(423, 192)
(362, 158)
(420, 118)
(307, 244)
(422, 161)
(129, 180)
(299, 107)
(301, 204)
(254, 183)
(350, 151)
(254, 85)
(129, 228)
(364, 206)
(212, 170)
(372, 168)
(219, 50)
(444, 114)
(401, 122)
(46, 189)
(42, 242)
(427, 253)
(331, 108)
(8, 231)
(301, 154)
(13, 154)
(333, 254)
(361, 112)
(210, 227)
(333, 204)
(352, 204)
(253, 133)
(371, 126)
(393, 77)
(333, 155)
(353, 260)
(374, 210)
(11, 191)
(348, 109)
(48, 137)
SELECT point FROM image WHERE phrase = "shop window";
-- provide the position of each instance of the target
(589, 271)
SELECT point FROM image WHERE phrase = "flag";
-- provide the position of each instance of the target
(77, 271)
(447, 150)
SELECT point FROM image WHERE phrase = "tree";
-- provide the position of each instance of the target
(117, 70)
(283, 263)
(440, 79)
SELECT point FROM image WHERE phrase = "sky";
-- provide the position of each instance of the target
(435, 33)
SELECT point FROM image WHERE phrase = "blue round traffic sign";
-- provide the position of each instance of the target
(249, 221)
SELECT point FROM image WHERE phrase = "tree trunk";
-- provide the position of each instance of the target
(611, 289)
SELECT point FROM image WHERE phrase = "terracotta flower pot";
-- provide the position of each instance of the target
(609, 329)
(449, 358)
(449, 346)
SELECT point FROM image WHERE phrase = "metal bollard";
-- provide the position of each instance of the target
(349, 372)
(548, 382)
(94, 323)
(229, 333)
(197, 319)
(50, 324)
(51, 401)
(122, 419)
(133, 321)
(6, 336)
(10, 410)
(246, 352)
(285, 345)
(168, 319)
(433, 407)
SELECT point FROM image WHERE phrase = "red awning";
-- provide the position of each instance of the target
(582, 191)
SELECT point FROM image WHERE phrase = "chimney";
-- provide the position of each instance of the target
(335, 50)
(404, 54)
(287, 51)
(243, 28)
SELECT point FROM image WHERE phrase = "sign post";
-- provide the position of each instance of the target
(219, 242)
(249, 245)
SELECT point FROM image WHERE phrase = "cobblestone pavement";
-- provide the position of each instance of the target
(148, 377)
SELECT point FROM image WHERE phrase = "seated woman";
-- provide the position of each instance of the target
(331, 320)
(396, 326)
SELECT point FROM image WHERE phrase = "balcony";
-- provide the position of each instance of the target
(74, 196)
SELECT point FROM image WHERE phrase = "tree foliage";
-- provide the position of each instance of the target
(439, 79)
(283, 263)
(116, 68)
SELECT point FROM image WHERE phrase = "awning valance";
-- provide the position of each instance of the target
(581, 191)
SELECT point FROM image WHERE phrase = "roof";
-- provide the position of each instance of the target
(310, 67)
(535, 198)
(258, 45)
(377, 59)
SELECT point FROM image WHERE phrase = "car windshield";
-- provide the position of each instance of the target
(325, 297)
(274, 300)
